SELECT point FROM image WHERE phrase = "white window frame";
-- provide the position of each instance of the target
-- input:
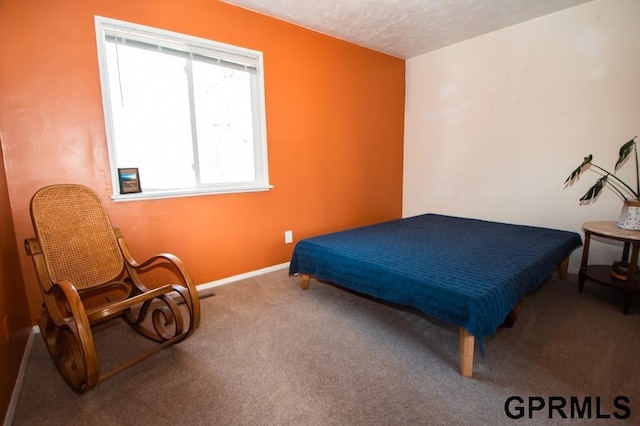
(200, 46)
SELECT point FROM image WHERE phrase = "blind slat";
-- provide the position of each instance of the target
(170, 47)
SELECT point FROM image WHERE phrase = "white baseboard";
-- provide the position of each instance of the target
(13, 403)
(207, 286)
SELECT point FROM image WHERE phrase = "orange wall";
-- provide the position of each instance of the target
(13, 301)
(334, 111)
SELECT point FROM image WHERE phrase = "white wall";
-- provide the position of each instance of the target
(494, 125)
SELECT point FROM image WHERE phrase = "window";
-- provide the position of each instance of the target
(188, 113)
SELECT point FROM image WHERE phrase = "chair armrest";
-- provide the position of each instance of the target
(33, 249)
(154, 261)
(162, 259)
(64, 294)
(61, 295)
(62, 301)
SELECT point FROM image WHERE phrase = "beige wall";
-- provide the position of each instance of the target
(495, 124)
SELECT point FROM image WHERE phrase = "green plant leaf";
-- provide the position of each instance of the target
(579, 169)
(595, 189)
(625, 150)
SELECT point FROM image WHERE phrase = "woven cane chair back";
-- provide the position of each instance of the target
(76, 236)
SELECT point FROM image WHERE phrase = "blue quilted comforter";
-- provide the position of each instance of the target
(467, 272)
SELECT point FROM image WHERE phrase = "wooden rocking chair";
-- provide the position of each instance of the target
(87, 277)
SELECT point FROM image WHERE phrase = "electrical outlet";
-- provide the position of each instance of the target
(288, 237)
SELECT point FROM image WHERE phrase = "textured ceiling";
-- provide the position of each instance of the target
(405, 28)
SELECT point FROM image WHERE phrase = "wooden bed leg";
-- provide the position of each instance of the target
(305, 281)
(466, 352)
(563, 269)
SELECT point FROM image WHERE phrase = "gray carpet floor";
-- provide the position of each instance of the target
(269, 353)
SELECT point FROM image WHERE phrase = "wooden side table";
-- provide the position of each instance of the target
(601, 274)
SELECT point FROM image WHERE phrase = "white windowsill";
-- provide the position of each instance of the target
(155, 195)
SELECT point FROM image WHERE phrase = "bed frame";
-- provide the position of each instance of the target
(408, 262)
(467, 341)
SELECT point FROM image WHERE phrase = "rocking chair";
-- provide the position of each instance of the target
(87, 276)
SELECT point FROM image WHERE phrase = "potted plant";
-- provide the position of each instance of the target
(630, 215)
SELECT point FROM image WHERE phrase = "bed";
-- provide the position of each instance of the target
(467, 272)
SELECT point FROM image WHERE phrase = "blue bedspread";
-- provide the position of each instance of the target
(467, 272)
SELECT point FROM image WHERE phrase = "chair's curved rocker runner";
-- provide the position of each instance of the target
(81, 258)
